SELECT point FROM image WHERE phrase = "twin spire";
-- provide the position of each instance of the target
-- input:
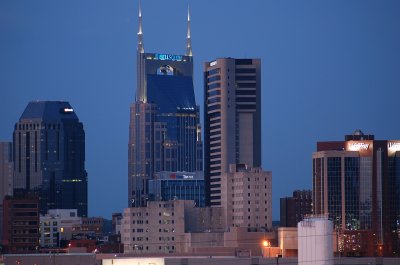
(140, 47)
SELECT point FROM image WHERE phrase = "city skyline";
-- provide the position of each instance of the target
(327, 69)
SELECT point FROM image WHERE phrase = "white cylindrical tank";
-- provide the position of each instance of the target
(315, 241)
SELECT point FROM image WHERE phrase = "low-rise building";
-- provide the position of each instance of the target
(57, 225)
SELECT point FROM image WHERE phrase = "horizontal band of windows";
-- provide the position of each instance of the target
(215, 121)
(246, 85)
(214, 93)
(215, 168)
(216, 150)
(215, 197)
(214, 100)
(215, 133)
(215, 162)
(215, 179)
(248, 99)
(246, 92)
(214, 71)
(215, 139)
(246, 70)
(214, 115)
(214, 78)
(215, 186)
(215, 156)
(214, 107)
(215, 191)
(215, 174)
(215, 126)
(249, 107)
(214, 144)
(246, 77)
(215, 203)
(244, 61)
(214, 85)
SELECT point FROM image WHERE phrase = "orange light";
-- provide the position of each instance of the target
(266, 243)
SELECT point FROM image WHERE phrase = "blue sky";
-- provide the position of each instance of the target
(328, 68)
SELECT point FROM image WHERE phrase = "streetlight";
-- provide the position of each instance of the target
(266, 244)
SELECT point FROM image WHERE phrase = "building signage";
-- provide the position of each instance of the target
(67, 110)
(359, 146)
(169, 57)
(179, 176)
(394, 146)
(213, 63)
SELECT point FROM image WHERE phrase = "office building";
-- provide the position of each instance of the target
(178, 186)
(232, 119)
(164, 131)
(6, 177)
(49, 156)
(21, 223)
(57, 225)
(246, 197)
(295, 208)
(356, 182)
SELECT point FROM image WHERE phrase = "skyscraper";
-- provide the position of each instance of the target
(49, 155)
(232, 119)
(164, 131)
(357, 183)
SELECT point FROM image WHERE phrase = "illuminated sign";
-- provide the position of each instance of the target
(68, 110)
(394, 146)
(179, 176)
(169, 57)
(358, 146)
(213, 63)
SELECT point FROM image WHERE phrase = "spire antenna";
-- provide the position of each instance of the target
(188, 38)
(140, 47)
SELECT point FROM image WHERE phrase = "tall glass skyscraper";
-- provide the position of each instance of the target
(356, 183)
(164, 131)
(49, 156)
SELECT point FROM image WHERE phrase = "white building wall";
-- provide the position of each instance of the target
(315, 242)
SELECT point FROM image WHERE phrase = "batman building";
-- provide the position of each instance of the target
(164, 131)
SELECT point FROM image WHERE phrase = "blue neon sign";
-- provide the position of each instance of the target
(169, 57)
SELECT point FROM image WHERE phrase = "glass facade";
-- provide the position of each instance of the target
(49, 155)
(165, 131)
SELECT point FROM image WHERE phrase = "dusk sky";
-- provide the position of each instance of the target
(328, 68)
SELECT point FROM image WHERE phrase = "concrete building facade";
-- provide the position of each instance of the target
(246, 196)
(232, 119)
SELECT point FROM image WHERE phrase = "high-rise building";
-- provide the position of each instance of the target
(6, 177)
(356, 183)
(49, 155)
(295, 208)
(232, 119)
(164, 131)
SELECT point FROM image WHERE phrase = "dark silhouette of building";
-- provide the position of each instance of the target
(164, 131)
(232, 119)
(295, 208)
(6, 177)
(49, 156)
(356, 183)
(21, 223)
